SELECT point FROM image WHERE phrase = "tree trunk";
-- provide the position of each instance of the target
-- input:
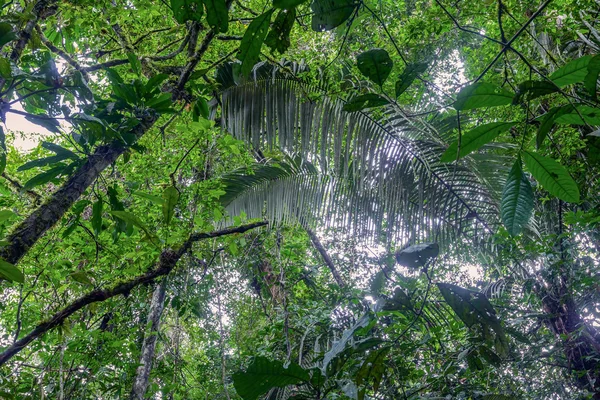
(142, 377)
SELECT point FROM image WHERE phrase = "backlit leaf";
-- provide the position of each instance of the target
(253, 40)
(517, 200)
(481, 95)
(474, 139)
(375, 64)
(552, 176)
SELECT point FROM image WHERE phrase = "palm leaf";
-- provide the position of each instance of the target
(373, 176)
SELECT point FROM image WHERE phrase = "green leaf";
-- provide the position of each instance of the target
(552, 176)
(5, 70)
(170, 197)
(530, 90)
(581, 115)
(154, 82)
(200, 109)
(287, 4)
(363, 101)
(40, 162)
(473, 308)
(154, 199)
(417, 255)
(217, 15)
(480, 95)
(375, 64)
(6, 34)
(2, 151)
(82, 277)
(329, 14)
(253, 40)
(45, 177)
(516, 206)
(49, 123)
(187, 10)
(572, 72)
(278, 38)
(97, 216)
(399, 301)
(373, 367)
(474, 139)
(591, 78)
(263, 374)
(135, 221)
(548, 122)
(136, 65)
(5, 215)
(407, 77)
(10, 272)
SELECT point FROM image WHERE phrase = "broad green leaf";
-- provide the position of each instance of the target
(572, 72)
(278, 38)
(5, 215)
(530, 90)
(5, 69)
(49, 123)
(82, 277)
(287, 4)
(363, 101)
(135, 63)
(155, 199)
(474, 139)
(40, 162)
(200, 109)
(407, 77)
(170, 197)
(263, 374)
(154, 82)
(516, 206)
(329, 14)
(217, 15)
(591, 78)
(59, 149)
(135, 221)
(398, 301)
(548, 122)
(253, 40)
(481, 95)
(45, 177)
(6, 33)
(373, 368)
(581, 115)
(375, 64)
(97, 216)
(161, 101)
(552, 176)
(187, 10)
(417, 255)
(10, 272)
(473, 308)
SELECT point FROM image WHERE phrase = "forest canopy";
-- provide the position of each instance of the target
(299, 199)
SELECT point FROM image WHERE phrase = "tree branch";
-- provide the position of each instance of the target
(328, 261)
(167, 261)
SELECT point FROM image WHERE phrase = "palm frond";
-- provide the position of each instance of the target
(373, 176)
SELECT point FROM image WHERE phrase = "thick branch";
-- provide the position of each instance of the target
(167, 261)
(328, 261)
(44, 217)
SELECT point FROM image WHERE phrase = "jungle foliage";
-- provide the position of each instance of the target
(304, 199)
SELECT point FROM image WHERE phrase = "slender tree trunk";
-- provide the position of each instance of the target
(142, 377)
(328, 261)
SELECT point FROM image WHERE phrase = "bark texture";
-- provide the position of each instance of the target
(328, 261)
(142, 376)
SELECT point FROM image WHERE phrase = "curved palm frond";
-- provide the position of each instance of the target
(373, 176)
